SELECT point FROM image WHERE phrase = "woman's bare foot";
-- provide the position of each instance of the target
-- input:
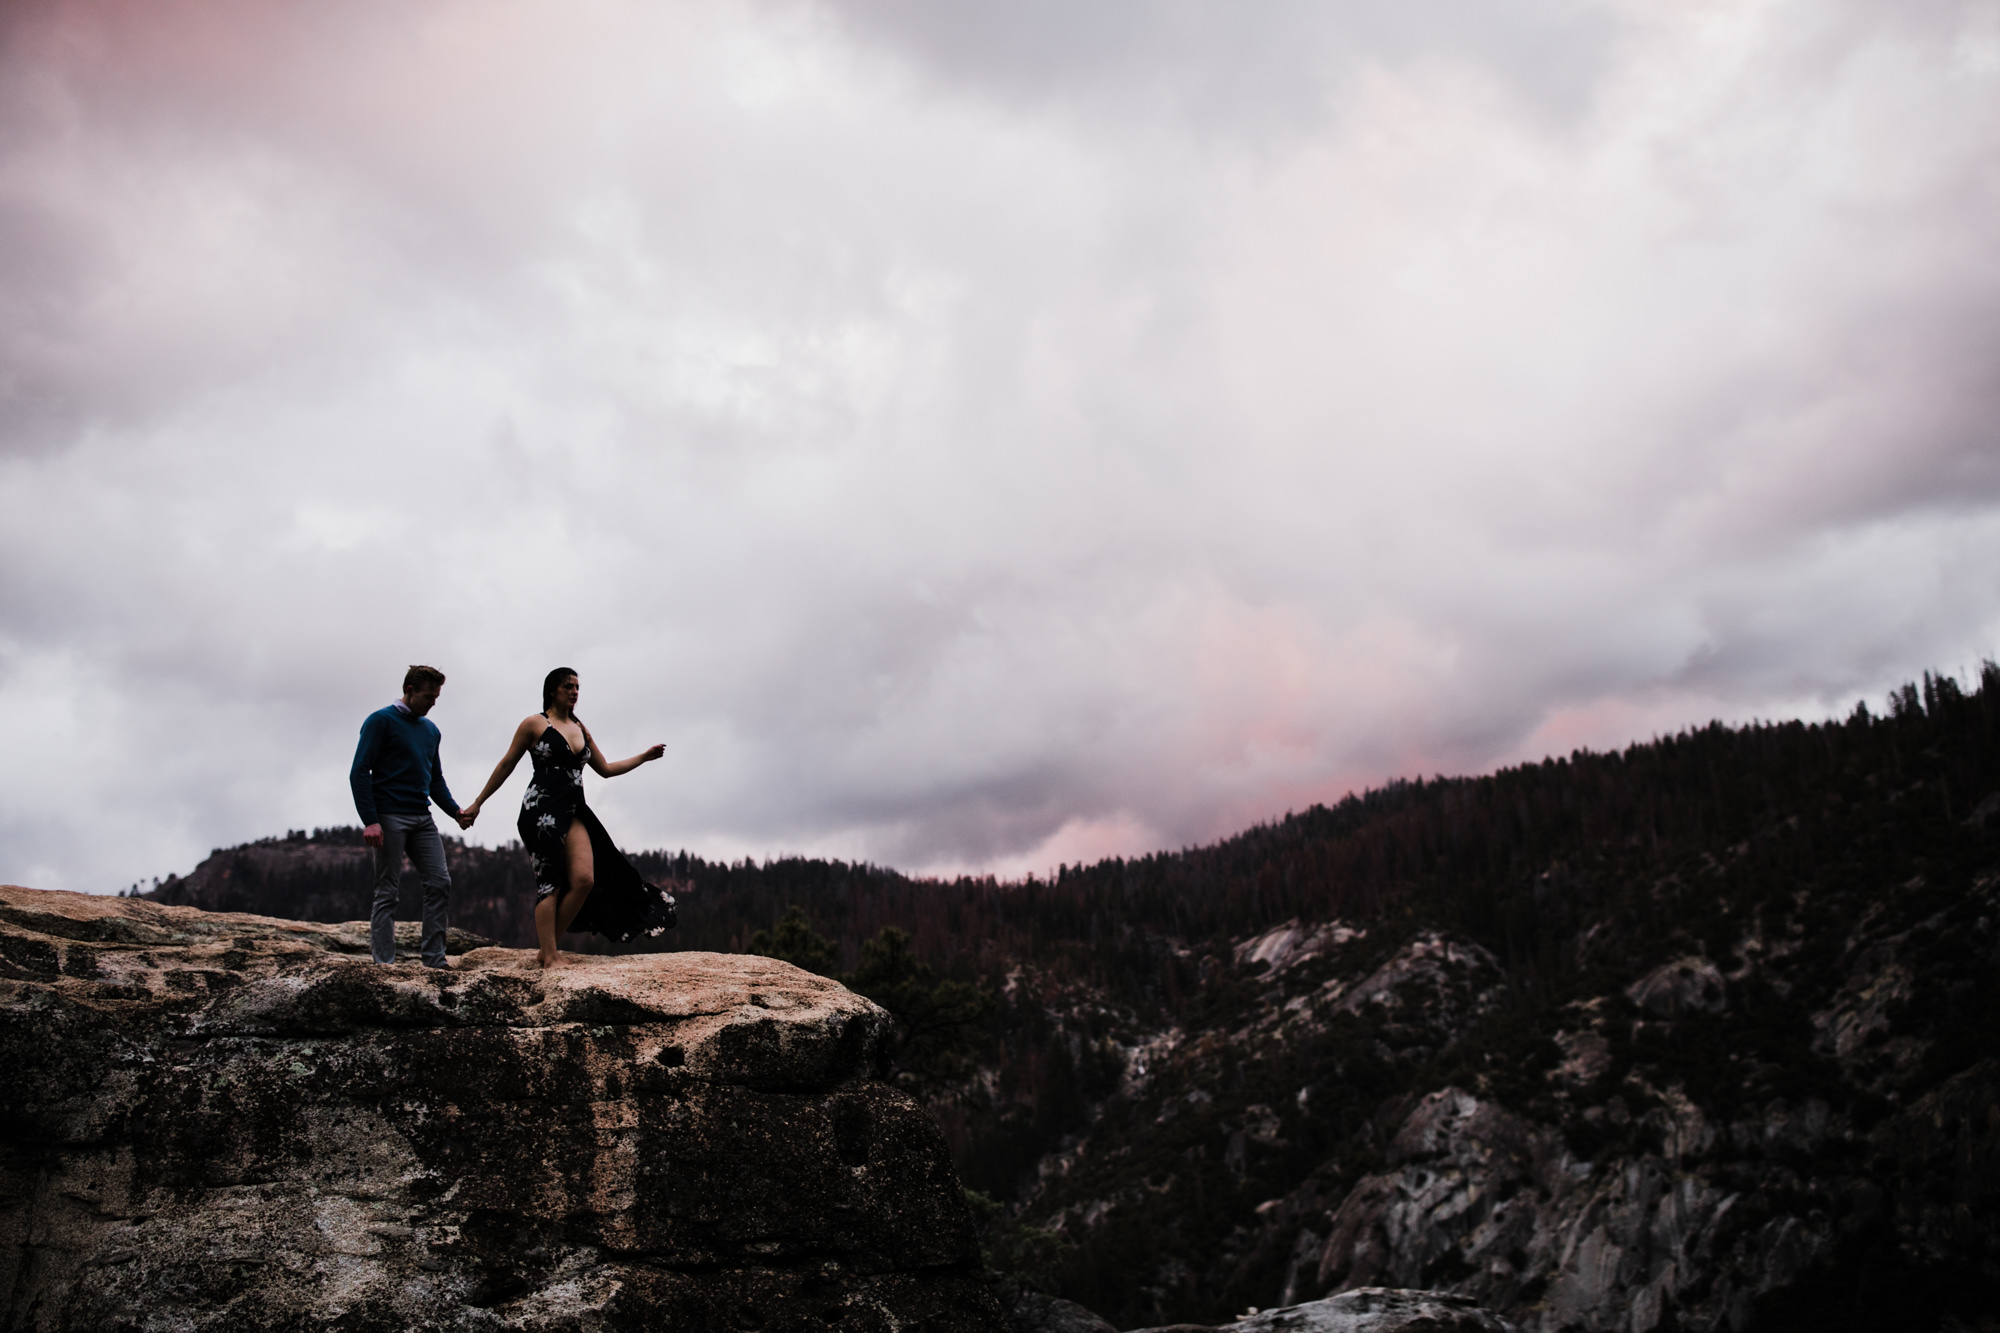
(547, 958)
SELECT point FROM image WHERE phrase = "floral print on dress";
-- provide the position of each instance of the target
(622, 906)
(548, 805)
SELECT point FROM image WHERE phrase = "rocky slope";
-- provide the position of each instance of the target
(1793, 1121)
(221, 1122)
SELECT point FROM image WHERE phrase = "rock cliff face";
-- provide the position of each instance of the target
(221, 1122)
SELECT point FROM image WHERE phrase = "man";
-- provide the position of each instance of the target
(395, 778)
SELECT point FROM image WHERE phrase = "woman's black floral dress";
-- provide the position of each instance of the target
(622, 906)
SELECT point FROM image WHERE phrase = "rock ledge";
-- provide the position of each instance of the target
(219, 1122)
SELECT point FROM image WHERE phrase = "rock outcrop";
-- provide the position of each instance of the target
(1791, 1123)
(1365, 1310)
(220, 1122)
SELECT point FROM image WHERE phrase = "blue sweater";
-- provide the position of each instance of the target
(396, 767)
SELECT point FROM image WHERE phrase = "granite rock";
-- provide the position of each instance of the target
(219, 1122)
(1366, 1310)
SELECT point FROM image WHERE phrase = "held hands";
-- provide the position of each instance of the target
(651, 753)
(467, 815)
(372, 835)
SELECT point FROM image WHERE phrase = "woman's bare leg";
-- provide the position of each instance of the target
(545, 930)
(582, 875)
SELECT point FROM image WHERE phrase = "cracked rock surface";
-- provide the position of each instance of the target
(218, 1121)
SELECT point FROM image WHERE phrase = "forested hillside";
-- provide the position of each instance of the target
(1703, 1029)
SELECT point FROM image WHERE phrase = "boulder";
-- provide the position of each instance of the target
(220, 1122)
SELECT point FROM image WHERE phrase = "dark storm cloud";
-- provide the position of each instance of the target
(972, 436)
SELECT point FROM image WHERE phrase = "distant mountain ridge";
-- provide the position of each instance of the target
(1698, 1034)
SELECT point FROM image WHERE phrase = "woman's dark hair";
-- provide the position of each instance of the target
(550, 683)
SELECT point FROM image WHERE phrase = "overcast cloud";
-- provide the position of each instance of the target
(972, 435)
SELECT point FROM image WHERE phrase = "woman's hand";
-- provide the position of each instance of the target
(651, 753)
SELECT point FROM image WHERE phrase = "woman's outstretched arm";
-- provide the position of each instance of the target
(645, 756)
(503, 770)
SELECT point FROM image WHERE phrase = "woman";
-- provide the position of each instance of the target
(582, 882)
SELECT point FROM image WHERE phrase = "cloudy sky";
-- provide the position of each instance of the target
(972, 435)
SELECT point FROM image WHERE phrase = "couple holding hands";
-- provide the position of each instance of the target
(582, 881)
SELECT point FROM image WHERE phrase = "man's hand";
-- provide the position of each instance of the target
(466, 817)
(372, 835)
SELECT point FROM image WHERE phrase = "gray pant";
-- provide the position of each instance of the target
(418, 836)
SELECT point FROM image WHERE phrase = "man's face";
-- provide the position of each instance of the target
(420, 701)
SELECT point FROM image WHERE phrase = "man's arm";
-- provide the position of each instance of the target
(439, 792)
(361, 780)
